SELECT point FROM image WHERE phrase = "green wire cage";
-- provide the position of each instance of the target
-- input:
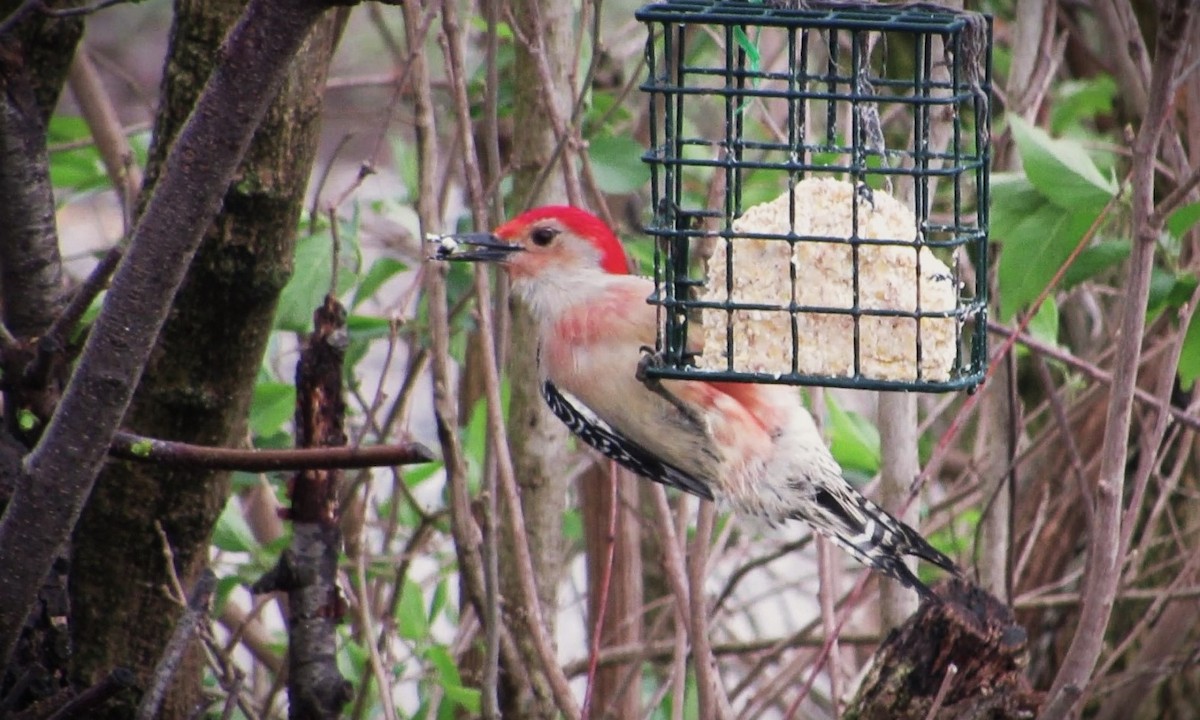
(820, 192)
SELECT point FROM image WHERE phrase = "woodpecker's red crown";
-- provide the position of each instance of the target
(541, 225)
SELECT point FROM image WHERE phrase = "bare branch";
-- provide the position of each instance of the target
(129, 446)
(101, 116)
(1104, 561)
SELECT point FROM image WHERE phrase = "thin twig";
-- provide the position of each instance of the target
(18, 14)
(465, 531)
(1177, 197)
(98, 111)
(664, 650)
(605, 583)
(78, 11)
(94, 697)
(139, 448)
(827, 568)
(673, 566)
(1152, 441)
(60, 331)
(1060, 416)
(943, 691)
(497, 439)
(164, 670)
(714, 703)
(363, 610)
(534, 45)
(998, 357)
(1093, 372)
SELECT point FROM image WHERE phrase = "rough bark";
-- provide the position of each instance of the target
(961, 658)
(307, 571)
(33, 56)
(60, 472)
(198, 167)
(31, 282)
(48, 45)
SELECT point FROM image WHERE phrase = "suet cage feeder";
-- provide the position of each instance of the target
(870, 122)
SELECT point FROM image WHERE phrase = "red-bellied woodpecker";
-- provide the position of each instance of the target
(752, 446)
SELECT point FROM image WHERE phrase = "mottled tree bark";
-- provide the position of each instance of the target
(962, 658)
(308, 569)
(200, 377)
(34, 56)
(34, 53)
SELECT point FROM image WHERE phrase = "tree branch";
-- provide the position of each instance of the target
(61, 470)
(138, 448)
(1104, 562)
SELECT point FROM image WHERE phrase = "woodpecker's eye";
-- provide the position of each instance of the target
(543, 236)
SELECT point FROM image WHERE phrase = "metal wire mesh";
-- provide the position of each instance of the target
(751, 100)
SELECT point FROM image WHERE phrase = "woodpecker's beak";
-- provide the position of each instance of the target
(471, 247)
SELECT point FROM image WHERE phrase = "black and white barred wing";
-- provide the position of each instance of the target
(600, 436)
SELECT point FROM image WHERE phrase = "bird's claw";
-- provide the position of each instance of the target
(654, 359)
(650, 359)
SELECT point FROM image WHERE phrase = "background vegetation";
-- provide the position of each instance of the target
(172, 212)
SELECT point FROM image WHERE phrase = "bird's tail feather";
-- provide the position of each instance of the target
(871, 535)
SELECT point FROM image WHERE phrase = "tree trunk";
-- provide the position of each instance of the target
(198, 384)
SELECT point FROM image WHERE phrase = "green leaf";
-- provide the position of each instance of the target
(1061, 170)
(1013, 199)
(1095, 260)
(1183, 219)
(437, 603)
(1032, 253)
(232, 534)
(854, 440)
(352, 659)
(274, 404)
(411, 621)
(1189, 358)
(382, 270)
(749, 47)
(451, 681)
(1044, 325)
(310, 281)
(572, 526)
(225, 587)
(1080, 100)
(79, 168)
(367, 327)
(617, 164)
(1168, 289)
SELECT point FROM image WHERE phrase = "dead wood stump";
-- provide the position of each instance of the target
(963, 658)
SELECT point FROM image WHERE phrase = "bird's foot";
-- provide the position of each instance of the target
(650, 359)
(653, 359)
